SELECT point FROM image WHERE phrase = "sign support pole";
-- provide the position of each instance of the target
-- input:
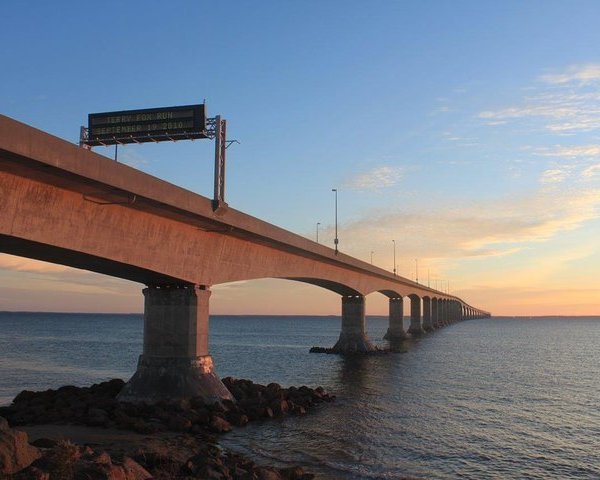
(220, 157)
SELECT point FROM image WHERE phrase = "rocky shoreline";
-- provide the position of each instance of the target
(179, 440)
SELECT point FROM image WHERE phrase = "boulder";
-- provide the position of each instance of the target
(219, 425)
(268, 473)
(134, 471)
(179, 423)
(44, 443)
(15, 451)
(293, 473)
(31, 473)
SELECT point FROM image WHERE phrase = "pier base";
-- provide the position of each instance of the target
(175, 365)
(352, 337)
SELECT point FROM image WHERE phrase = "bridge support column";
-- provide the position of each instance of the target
(352, 337)
(451, 316)
(175, 364)
(427, 320)
(415, 327)
(435, 319)
(396, 329)
(444, 312)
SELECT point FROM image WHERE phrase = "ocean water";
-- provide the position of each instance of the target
(500, 398)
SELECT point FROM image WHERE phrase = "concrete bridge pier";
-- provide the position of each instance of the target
(435, 313)
(427, 318)
(451, 313)
(396, 329)
(443, 312)
(175, 364)
(415, 327)
(353, 338)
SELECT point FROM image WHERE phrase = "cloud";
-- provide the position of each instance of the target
(583, 74)
(533, 300)
(380, 177)
(565, 103)
(593, 171)
(554, 175)
(571, 151)
(484, 229)
(60, 278)
(19, 264)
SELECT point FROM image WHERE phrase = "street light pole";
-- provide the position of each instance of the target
(394, 242)
(318, 223)
(336, 241)
(417, 270)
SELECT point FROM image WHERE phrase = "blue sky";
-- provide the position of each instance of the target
(465, 130)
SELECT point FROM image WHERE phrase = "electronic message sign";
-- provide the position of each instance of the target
(186, 122)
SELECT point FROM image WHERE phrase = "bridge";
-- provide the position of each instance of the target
(68, 205)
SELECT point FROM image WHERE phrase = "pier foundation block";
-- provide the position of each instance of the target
(175, 365)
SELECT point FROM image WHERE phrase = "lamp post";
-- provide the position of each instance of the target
(335, 241)
(318, 223)
(417, 270)
(372, 252)
(394, 242)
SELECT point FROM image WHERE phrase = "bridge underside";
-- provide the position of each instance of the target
(83, 261)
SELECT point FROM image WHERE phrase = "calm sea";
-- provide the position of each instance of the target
(485, 399)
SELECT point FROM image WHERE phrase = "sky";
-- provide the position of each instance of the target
(466, 131)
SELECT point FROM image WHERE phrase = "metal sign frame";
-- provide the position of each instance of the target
(184, 122)
(202, 127)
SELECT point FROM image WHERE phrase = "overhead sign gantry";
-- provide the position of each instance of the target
(148, 125)
(184, 122)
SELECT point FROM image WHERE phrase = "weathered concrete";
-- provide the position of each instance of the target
(395, 330)
(175, 364)
(427, 321)
(353, 338)
(415, 327)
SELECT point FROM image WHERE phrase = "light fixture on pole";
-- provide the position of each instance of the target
(318, 223)
(336, 241)
(417, 270)
(394, 242)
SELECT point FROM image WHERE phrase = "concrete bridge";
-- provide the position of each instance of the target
(67, 205)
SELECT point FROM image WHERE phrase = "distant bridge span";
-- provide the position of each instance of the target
(68, 205)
